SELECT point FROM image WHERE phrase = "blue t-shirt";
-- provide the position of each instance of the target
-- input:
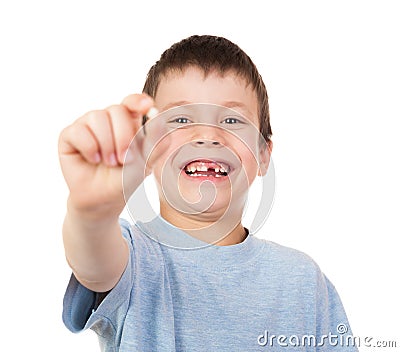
(252, 296)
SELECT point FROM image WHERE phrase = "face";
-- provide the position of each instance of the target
(205, 168)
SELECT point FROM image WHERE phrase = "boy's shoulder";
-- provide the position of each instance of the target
(287, 259)
(288, 255)
(291, 271)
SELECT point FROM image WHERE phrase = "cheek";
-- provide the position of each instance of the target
(248, 156)
(250, 166)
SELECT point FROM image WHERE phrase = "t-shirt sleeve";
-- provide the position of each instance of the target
(80, 310)
(333, 329)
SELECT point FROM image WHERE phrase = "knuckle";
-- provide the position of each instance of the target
(115, 109)
(71, 131)
(96, 116)
(62, 138)
(63, 133)
(119, 114)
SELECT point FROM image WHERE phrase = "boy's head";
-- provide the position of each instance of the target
(212, 54)
(211, 91)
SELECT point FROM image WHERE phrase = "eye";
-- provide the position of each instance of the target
(231, 120)
(180, 120)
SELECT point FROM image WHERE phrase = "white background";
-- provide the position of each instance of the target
(333, 77)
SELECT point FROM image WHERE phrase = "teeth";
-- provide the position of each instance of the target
(202, 167)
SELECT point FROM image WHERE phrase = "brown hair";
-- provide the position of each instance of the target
(212, 53)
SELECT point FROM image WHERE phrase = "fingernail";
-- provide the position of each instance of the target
(97, 158)
(153, 112)
(144, 102)
(113, 160)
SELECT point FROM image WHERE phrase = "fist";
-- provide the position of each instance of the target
(94, 149)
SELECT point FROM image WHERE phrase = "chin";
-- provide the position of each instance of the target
(209, 208)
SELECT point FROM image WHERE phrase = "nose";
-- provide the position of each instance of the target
(206, 143)
(207, 136)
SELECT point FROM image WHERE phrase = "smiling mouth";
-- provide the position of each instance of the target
(206, 168)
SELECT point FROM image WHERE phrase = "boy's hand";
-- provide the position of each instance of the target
(92, 152)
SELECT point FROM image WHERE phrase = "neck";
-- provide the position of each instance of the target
(224, 231)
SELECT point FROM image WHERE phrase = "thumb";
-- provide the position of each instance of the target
(156, 141)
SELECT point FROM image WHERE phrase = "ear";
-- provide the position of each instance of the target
(265, 157)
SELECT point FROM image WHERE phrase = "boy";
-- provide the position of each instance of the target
(227, 291)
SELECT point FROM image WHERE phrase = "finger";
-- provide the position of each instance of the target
(157, 140)
(138, 104)
(78, 139)
(99, 123)
(124, 128)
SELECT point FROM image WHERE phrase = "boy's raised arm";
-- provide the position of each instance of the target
(92, 152)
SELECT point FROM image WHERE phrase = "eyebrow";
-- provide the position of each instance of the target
(237, 104)
(227, 104)
(175, 104)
